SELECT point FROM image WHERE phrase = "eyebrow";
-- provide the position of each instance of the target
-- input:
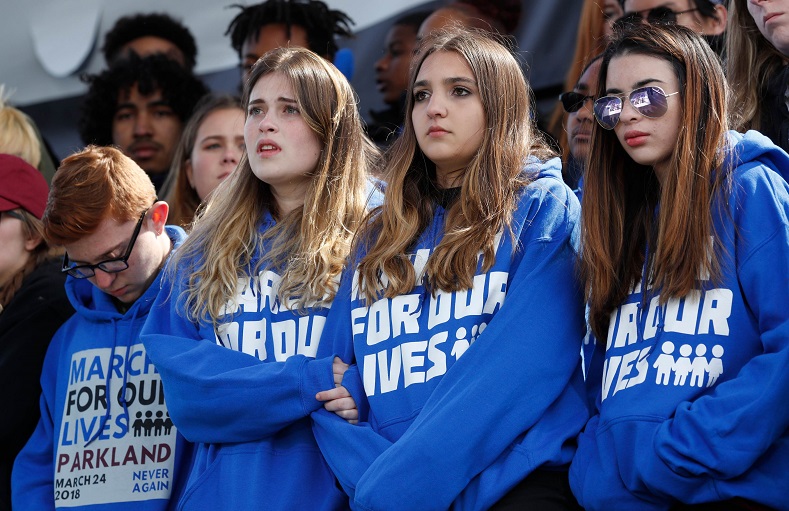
(106, 255)
(448, 81)
(281, 99)
(150, 104)
(636, 85)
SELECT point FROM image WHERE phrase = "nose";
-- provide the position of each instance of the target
(382, 63)
(436, 107)
(267, 123)
(586, 112)
(102, 279)
(232, 155)
(142, 125)
(629, 112)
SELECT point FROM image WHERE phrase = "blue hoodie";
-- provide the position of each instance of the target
(93, 449)
(243, 394)
(693, 405)
(468, 392)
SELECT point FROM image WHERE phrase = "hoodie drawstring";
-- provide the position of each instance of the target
(108, 378)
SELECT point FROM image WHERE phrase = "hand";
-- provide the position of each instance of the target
(339, 401)
(338, 367)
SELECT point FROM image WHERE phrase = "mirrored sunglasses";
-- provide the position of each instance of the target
(573, 101)
(648, 101)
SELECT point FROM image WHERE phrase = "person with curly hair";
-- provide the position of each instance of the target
(141, 105)
(262, 27)
(146, 34)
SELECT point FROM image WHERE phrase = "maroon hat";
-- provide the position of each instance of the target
(22, 186)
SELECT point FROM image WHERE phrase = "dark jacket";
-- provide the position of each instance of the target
(27, 324)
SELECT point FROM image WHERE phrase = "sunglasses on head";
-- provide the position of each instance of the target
(656, 16)
(648, 101)
(573, 101)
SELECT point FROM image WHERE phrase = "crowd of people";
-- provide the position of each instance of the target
(262, 302)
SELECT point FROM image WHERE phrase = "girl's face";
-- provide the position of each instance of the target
(218, 147)
(14, 248)
(283, 150)
(448, 117)
(772, 20)
(649, 141)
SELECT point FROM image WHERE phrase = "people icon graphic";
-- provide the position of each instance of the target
(462, 344)
(683, 366)
(161, 425)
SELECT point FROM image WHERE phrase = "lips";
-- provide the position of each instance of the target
(118, 292)
(436, 131)
(267, 148)
(582, 134)
(143, 150)
(635, 138)
(768, 17)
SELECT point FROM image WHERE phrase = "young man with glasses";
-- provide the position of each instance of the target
(105, 439)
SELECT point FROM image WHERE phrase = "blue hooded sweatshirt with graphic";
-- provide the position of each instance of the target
(693, 398)
(98, 446)
(464, 394)
(243, 394)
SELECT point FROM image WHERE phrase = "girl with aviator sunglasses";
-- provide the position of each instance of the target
(685, 249)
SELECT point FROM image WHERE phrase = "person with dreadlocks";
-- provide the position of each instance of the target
(262, 27)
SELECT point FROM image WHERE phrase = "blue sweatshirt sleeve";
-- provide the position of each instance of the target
(33, 475)
(475, 413)
(743, 417)
(218, 395)
(348, 449)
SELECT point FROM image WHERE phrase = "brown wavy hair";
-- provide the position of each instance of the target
(621, 197)
(489, 186)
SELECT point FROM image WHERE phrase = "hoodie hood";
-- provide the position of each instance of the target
(92, 303)
(752, 146)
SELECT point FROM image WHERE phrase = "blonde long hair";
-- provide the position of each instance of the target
(620, 196)
(489, 186)
(750, 62)
(309, 245)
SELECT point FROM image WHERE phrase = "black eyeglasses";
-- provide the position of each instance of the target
(648, 101)
(85, 271)
(656, 16)
(573, 101)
